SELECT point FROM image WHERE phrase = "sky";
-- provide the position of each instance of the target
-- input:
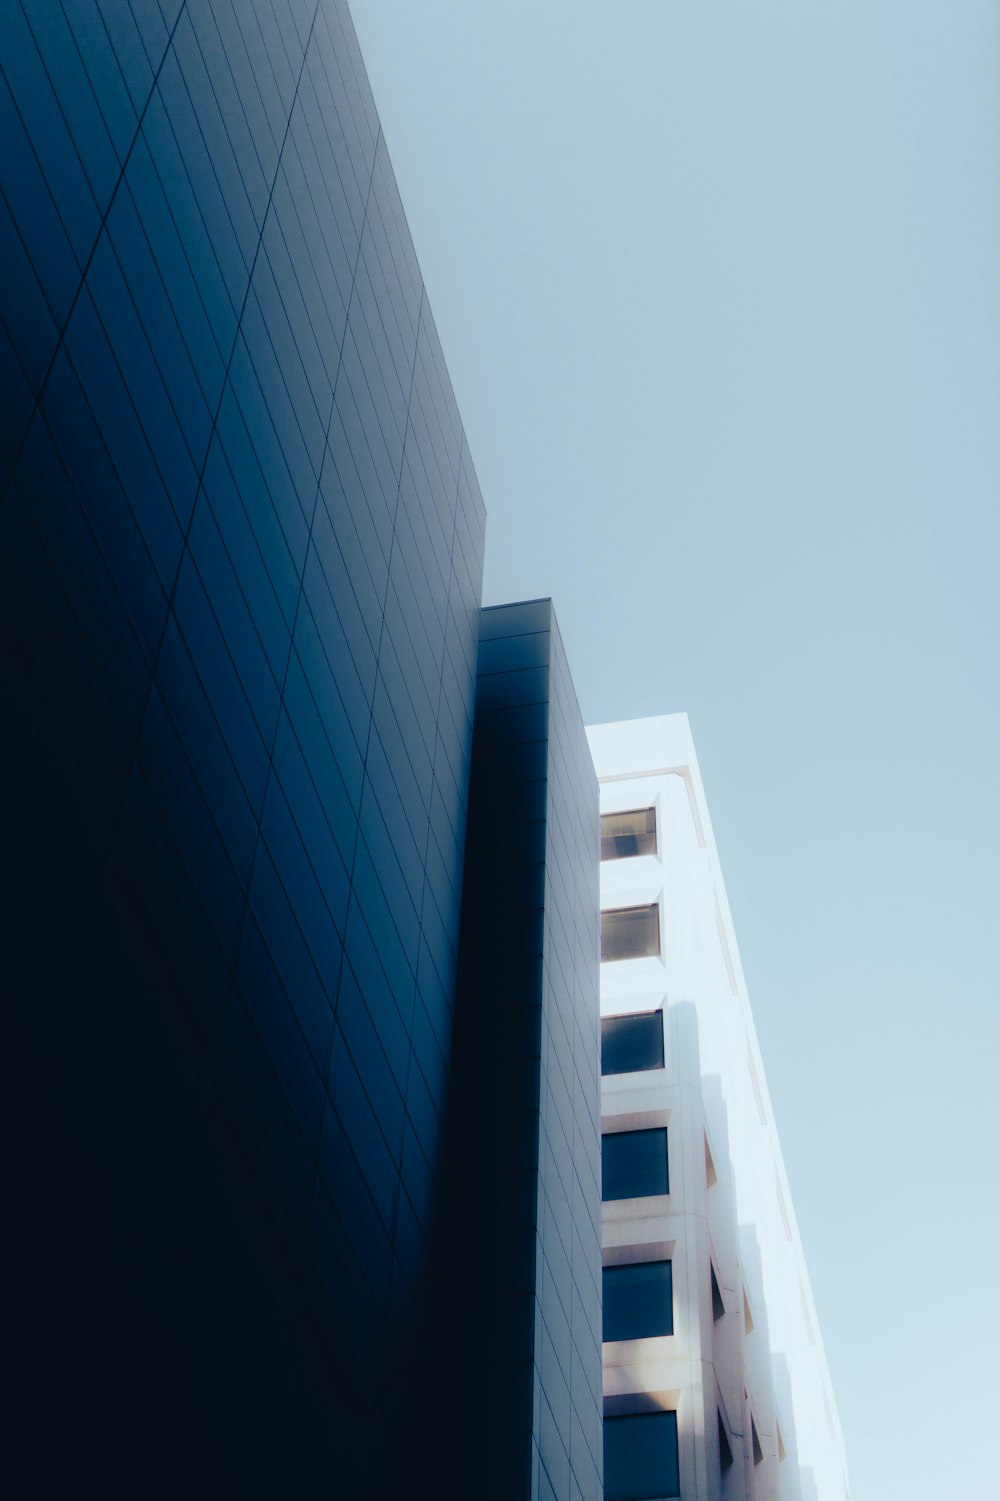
(718, 286)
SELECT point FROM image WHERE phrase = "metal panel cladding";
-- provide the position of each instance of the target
(521, 1308)
(240, 568)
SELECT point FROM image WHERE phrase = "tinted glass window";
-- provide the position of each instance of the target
(640, 1456)
(634, 1164)
(627, 834)
(631, 1043)
(638, 1300)
(725, 1448)
(718, 1302)
(631, 933)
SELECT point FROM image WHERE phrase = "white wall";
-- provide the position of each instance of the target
(712, 1090)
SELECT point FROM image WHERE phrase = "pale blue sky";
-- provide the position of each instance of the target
(719, 288)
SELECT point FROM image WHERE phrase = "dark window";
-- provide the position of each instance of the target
(634, 1164)
(725, 1447)
(718, 1303)
(758, 1453)
(627, 834)
(640, 1457)
(638, 1300)
(631, 933)
(631, 1043)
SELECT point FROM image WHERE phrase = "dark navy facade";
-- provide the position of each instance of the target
(241, 566)
(522, 1185)
(241, 544)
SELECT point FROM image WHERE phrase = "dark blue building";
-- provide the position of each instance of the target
(241, 549)
(521, 1307)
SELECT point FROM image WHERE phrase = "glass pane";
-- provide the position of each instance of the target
(631, 1043)
(638, 1300)
(627, 834)
(634, 1164)
(640, 1456)
(631, 933)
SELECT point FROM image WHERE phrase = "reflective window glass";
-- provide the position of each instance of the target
(626, 834)
(631, 933)
(640, 1456)
(634, 1164)
(631, 1043)
(638, 1300)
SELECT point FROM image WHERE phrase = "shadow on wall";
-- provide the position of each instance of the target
(728, 1347)
(783, 1392)
(170, 1319)
(750, 1363)
(493, 1339)
(794, 1482)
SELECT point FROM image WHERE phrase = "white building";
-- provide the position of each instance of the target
(715, 1383)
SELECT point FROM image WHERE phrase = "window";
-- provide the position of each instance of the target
(718, 1303)
(631, 1043)
(725, 1447)
(640, 1456)
(638, 1300)
(626, 834)
(758, 1453)
(634, 1164)
(631, 933)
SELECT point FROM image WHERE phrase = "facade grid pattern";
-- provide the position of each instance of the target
(521, 1301)
(240, 568)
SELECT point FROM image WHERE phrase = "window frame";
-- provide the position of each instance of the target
(640, 1131)
(625, 1488)
(651, 1016)
(620, 1271)
(651, 813)
(640, 907)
